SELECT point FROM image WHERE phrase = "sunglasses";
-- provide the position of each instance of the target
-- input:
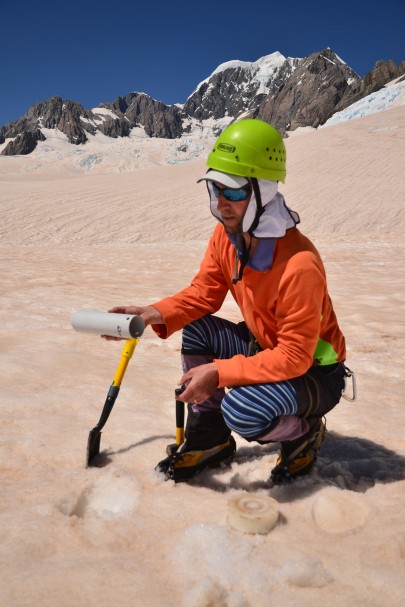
(230, 194)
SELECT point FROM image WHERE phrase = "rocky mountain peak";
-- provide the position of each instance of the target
(234, 87)
(157, 118)
(309, 94)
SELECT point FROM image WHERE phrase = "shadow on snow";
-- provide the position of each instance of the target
(346, 462)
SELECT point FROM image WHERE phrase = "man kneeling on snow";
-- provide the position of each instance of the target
(283, 365)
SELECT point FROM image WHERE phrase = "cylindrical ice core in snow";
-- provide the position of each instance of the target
(107, 323)
(252, 513)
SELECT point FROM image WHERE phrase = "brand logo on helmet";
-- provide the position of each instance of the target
(226, 148)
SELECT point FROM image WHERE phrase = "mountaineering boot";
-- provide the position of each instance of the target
(208, 443)
(298, 457)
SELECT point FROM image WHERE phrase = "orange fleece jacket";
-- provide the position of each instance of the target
(287, 308)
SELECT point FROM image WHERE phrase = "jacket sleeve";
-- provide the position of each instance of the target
(204, 295)
(298, 318)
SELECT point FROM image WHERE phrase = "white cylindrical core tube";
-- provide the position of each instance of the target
(107, 323)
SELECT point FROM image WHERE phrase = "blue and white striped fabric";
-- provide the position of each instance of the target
(217, 336)
(250, 410)
(247, 410)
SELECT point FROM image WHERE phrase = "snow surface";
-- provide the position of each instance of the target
(103, 111)
(130, 229)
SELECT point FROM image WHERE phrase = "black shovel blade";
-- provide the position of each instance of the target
(93, 447)
(93, 444)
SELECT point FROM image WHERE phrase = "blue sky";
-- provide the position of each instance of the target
(92, 51)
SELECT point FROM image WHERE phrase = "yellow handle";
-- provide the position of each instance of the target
(126, 356)
(179, 436)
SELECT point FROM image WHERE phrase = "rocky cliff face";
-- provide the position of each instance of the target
(310, 94)
(158, 119)
(52, 114)
(67, 117)
(286, 92)
(238, 87)
(24, 143)
(383, 72)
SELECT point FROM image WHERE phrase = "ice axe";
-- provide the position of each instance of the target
(165, 466)
(115, 325)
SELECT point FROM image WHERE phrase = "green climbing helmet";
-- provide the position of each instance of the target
(250, 148)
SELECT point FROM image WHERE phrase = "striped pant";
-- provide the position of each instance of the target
(266, 411)
(250, 410)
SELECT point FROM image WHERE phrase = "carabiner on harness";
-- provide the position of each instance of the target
(349, 374)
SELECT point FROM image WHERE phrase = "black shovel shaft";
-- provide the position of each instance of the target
(108, 405)
(93, 442)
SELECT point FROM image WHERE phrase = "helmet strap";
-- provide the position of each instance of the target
(259, 205)
(243, 252)
(242, 257)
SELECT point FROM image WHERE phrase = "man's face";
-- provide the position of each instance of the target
(232, 212)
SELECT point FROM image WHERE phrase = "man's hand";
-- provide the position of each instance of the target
(202, 382)
(149, 314)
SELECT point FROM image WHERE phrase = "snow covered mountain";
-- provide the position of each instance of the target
(237, 87)
(287, 92)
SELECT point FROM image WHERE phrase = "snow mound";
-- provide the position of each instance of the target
(339, 512)
(111, 496)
